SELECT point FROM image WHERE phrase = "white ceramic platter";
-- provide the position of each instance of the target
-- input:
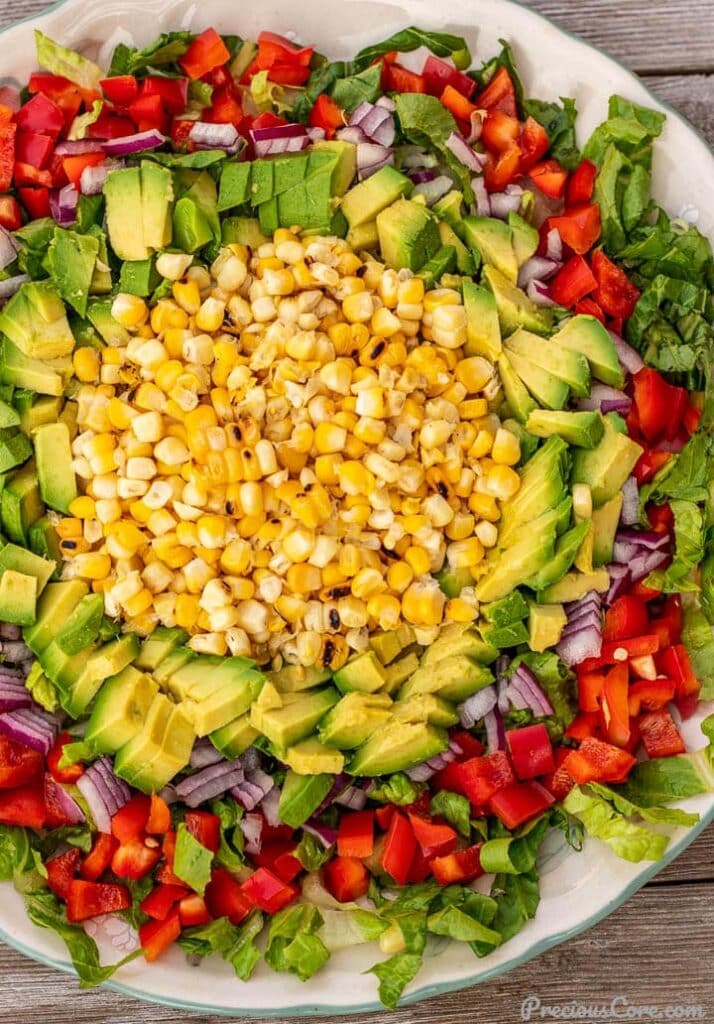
(577, 889)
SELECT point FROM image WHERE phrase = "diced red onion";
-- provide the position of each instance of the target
(537, 268)
(9, 631)
(79, 147)
(554, 246)
(63, 205)
(629, 358)
(352, 134)
(277, 147)
(601, 393)
(530, 687)
(376, 122)
(649, 539)
(209, 783)
(419, 177)
(93, 179)
(204, 753)
(11, 675)
(14, 651)
(582, 644)
(495, 731)
(476, 126)
(425, 771)
(353, 798)
(168, 795)
(327, 836)
(104, 792)
(502, 204)
(269, 807)
(69, 807)
(414, 157)
(475, 707)
(8, 248)
(482, 200)
(251, 759)
(128, 145)
(247, 794)
(630, 502)
(280, 131)
(642, 565)
(10, 97)
(619, 581)
(388, 103)
(434, 190)
(315, 134)
(340, 783)
(119, 792)
(13, 696)
(460, 148)
(32, 726)
(252, 828)
(539, 293)
(207, 135)
(371, 158)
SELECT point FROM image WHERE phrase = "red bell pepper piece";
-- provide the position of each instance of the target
(355, 836)
(520, 802)
(661, 517)
(470, 746)
(650, 695)
(159, 820)
(660, 406)
(111, 126)
(10, 212)
(90, 899)
(265, 890)
(399, 848)
(559, 782)
(160, 901)
(668, 626)
(33, 148)
(615, 710)
(582, 183)
(121, 90)
(275, 49)
(135, 859)
(206, 52)
(61, 870)
(531, 751)
(646, 593)
(67, 775)
(346, 878)
(193, 911)
(67, 96)
(615, 292)
(74, 165)
(19, 765)
(660, 735)
(458, 868)
(149, 113)
(484, 776)
(499, 132)
(499, 94)
(579, 227)
(172, 91)
(40, 114)
(276, 832)
(534, 143)
(588, 307)
(99, 857)
(675, 664)
(584, 725)
(288, 74)
(328, 115)
(279, 857)
(157, 936)
(435, 838)
(503, 169)
(550, 177)
(573, 282)
(384, 815)
(36, 201)
(226, 108)
(26, 174)
(8, 133)
(626, 617)
(396, 78)
(420, 868)
(225, 897)
(129, 822)
(590, 689)
(437, 74)
(205, 827)
(596, 761)
(23, 806)
(649, 464)
(180, 132)
(691, 419)
(462, 109)
(612, 652)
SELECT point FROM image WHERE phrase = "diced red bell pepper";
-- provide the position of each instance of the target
(10, 212)
(396, 78)
(67, 775)
(559, 782)
(661, 517)
(225, 897)
(129, 822)
(99, 857)
(40, 114)
(33, 148)
(121, 90)
(279, 857)
(111, 126)
(458, 868)
(160, 901)
(470, 746)
(626, 617)
(226, 108)
(615, 710)
(265, 890)
(588, 307)
(36, 201)
(384, 815)
(660, 406)
(159, 820)
(668, 626)
(500, 131)
(55, 811)
(573, 282)
(597, 761)
(149, 114)
(193, 911)
(135, 859)
(579, 227)
(675, 664)
(346, 878)
(615, 292)
(419, 869)
(205, 827)
(90, 899)
(435, 838)
(67, 96)
(19, 765)
(355, 836)
(516, 804)
(645, 592)
(462, 109)
(288, 74)
(172, 91)
(26, 174)
(61, 870)
(660, 735)
(499, 94)
(590, 690)
(275, 49)
(206, 52)
(612, 652)
(23, 806)
(691, 419)
(550, 177)
(650, 695)
(399, 849)
(649, 464)
(287, 866)
(276, 833)
(584, 725)
(74, 165)
(437, 74)
(180, 132)
(531, 751)
(328, 115)
(8, 133)
(157, 936)
(534, 143)
(500, 171)
(582, 183)
(484, 776)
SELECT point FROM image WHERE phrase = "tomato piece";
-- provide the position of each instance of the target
(129, 822)
(531, 751)
(460, 867)
(206, 52)
(10, 212)
(66, 775)
(399, 847)
(615, 292)
(27, 175)
(396, 78)
(205, 827)
(159, 820)
(121, 90)
(328, 115)
(435, 839)
(534, 143)
(650, 695)
(149, 114)
(19, 765)
(161, 900)
(90, 899)
(99, 857)
(660, 735)
(499, 131)
(437, 74)
(597, 761)
(8, 134)
(157, 936)
(550, 177)
(33, 148)
(40, 114)
(579, 227)
(355, 836)
(462, 109)
(346, 878)
(61, 870)
(483, 776)
(499, 94)
(615, 710)
(573, 282)
(520, 802)
(24, 805)
(582, 183)
(590, 690)
(626, 617)
(265, 890)
(502, 170)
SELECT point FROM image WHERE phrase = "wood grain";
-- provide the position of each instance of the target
(630, 954)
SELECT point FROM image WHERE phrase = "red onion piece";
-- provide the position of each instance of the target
(481, 197)
(642, 565)
(104, 792)
(531, 689)
(277, 147)
(31, 726)
(631, 502)
(13, 696)
(207, 135)
(8, 248)
(554, 246)
(315, 134)
(247, 794)
(434, 190)
(128, 145)
(629, 358)
(388, 103)
(93, 179)
(537, 268)
(353, 798)
(475, 707)
(209, 783)
(619, 581)
(204, 753)
(251, 760)
(643, 538)
(419, 177)
(583, 643)
(371, 158)
(376, 122)
(352, 134)
(252, 828)
(502, 204)
(119, 792)
(63, 205)
(269, 807)
(583, 620)
(14, 651)
(539, 293)
(59, 795)
(9, 631)
(327, 836)
(460, 148)
(79, 147)
(425, 771)
(495, 731)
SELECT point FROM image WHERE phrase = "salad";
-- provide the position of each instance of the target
(356, 460)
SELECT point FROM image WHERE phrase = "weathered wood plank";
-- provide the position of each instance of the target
(691, 95)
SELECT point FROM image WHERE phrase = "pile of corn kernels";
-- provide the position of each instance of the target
(280, 454)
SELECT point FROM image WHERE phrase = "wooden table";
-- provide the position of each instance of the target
(658, 949)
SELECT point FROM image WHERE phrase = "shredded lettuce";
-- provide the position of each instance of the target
(455, 808)
(363, 87)
(311, 853)
(192, 860)
(166, 50)
(697, 634)
(395, 973)
(602, 821)
(559, 123)
(81, 123)
(235, 944)
(514, 855)
(293, 943)
(58, 60)
(343, 928)
(396, 789)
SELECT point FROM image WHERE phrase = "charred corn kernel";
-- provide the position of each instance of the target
(129, 310)
(188, 296)
(423, 603)
(506, 448)
(186, 610)
(462, 554)
(418, 560)
(86, 364)
(474, 373)
(502, 482)
(458, 610)
(72, 546)
(92, 566)
(487, 533)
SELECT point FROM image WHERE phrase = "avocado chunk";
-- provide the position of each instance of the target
(511, 635)
(585, 334)
(453, 678)
(547, 390)
(54, 608)
(364, 201)
(565, 553)
(442, 262)
(606, 520)
(408, 235)
(71, 260)
(354, 718)
(8, 416)
(124, 214)
(606, 467)
(291, 722)
(234, 189)
(493, 240)
(546, 622)
(110, 330)
(46, 377)
(510, 609)
(515, 566)
(575, 585)
(16, 559)
(520, 403)
(453, 581)
(364, 673)
(557, 518)
(458, 638)
(82, 627)
(209, 711)
(44, 542)
(139, 277)
(243, 231)
(364, 236)
(105, 661)
(234, 739)
(582, 429)
(63, 669)
(53, 454)
(345, 165)
(570, 367)
(205, 674)
(525, 238)
(172, 663)
(20, 504)
(515, 309)
(465, 262)
(35, 320)
(160, 750)
(301, 796)
(42, 409)
(162, 642)
(313, 758)
(450, 209)
(120, 710)
(426, 707)
(14, 449)
(400, 745)
(389, 645)
(399, 671)
(295, 678)
(483, 331)
(18, 598)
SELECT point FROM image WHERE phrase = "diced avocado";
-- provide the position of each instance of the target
(243, 231)
(205, 674)
(617, 422)
(515, 309)
(542, 486)
(570, 367)
(18, 598)
(557, 518)
(345, 167)
(545, 625)
(408, 234)
(493, 239)
(442, 262)
(120, 710)
(390, 644)
(426, 707)
(71, 259)
(82, 627)
(606, 520)
(585, 334)
(458, 638)
(44, 541)
(313, 758)
(399, 671)
(606, 467)
(301, 796)
(43, 409)
(547, 390)
(512, 608)
(363, 202)
(566, 549)
(191, 227)
(354, 718)
(400, 745)
(465, 262)
(235, 185)
(512, 635)
(35, 320)
(160, 750)
(287, 725)
(159, 645)
(453, 581)
(8, 416)
(364, 673)
(20, 504)
(106, 661)
(584, 557)
(172, 663)
(63, 669)
(54, 608)
(269, 216)
(209, 711)
(295, 678)
(157, 193)
(483, 332)
(15, 449)
(582, 429)
(53, 455)
(48, 378)
(364, 236)
(516, 394)
(453, 678)
(450, 209)
(575, 585)
(139, 277)
(515, 566)
(124, 214)
(525, 238)
(17, 559)
(111, 331)
(235, 738)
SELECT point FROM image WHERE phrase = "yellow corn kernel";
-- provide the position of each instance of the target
(69, 529)
(449, 326)
(370, 431)
(83, 508)
(460, 611)
(188, 296)
(462, 554)
(210, 316)
(474, 373)
(399, 576)
(72, 546)
(418, 560)
(482, 445)
(86, 365)
(139, 604)
(120, 413)
(329, 438)
(333, 576)
(291, 608)
(461, 526)
(423, 603)
(384, 323)
(506, 448)
(368, 583)
(385, 609)
(326, 469)
(236, 557)
(355, 479)
(167, 316)
(187, 610)
(502, 482)
(129, 310)
(92, 566)
(149, 396)
(303, 578)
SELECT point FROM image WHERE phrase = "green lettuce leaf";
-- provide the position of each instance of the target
(15, 852)
(456, 924)
(559, 123)
(293, 943)
(517, 898)
(663, 780)
(343, 928)
(424, 120)
(396, 789)
(230, 850)
(504, 59)
(235, 944)
(514, 855)
(192, 860)
(689, 551)
(455, 808)
(697, 635)
(58, 60)
(364, 87)
(652, 815)
(602, 821)
(311, 853)
(167, 49)
(395, 973)
(442, 44)
(321, 80)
